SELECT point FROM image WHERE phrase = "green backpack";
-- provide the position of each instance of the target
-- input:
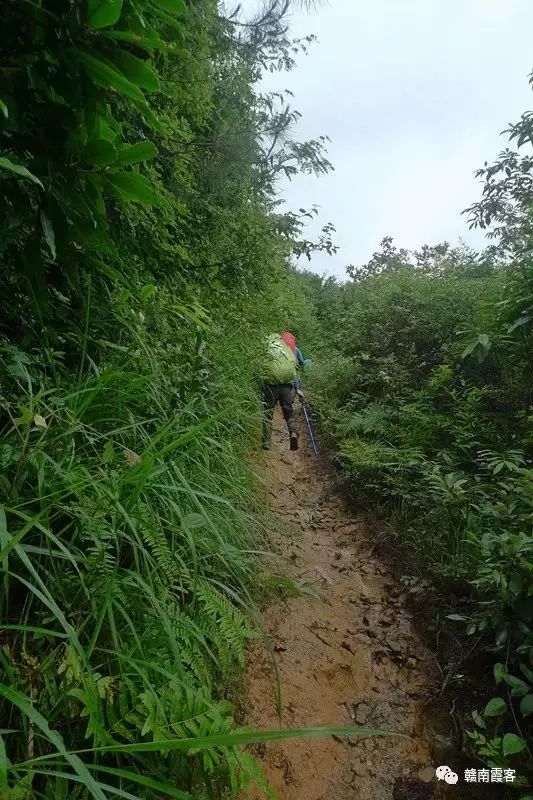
(279, 364)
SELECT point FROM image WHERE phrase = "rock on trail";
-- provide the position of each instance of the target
(349, 658)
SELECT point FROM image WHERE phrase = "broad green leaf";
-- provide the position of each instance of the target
(174, 6)
(526, 705)
(136, 70)
(48, 233)
(495, 707)
(132, 187)
(513, 744)
(10, 166)
(456, 617)
(102, 13)
(100, 152)
(500, 671)
(469, 349)
(168, 19)
(103, 130)
(4, 109)
(151, 118)
(134, 153)
(147, 43)
(518, 687)
(109, 78)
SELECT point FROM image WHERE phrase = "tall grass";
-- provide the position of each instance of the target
(126, 550)
(128, 538)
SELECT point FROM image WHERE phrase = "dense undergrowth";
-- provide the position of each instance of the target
(423, 380)
(142, 259)
(140, 252)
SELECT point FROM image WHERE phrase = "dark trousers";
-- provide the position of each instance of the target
(284, 394)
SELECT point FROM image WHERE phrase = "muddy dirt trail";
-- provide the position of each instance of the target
(351, 658)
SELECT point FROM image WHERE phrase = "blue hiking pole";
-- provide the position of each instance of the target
(309, 427)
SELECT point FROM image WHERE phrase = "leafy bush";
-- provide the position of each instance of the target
(422, 382)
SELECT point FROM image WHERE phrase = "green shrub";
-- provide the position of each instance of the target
(422, 384)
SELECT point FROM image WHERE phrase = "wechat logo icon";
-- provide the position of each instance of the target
(446, 774)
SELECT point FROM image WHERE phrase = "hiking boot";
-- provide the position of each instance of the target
(294, 441)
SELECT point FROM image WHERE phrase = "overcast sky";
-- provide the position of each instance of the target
(414, 95)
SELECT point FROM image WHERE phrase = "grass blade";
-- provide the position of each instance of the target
(25, 706)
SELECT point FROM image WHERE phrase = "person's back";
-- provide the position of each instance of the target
(279, 364)
(278, 371)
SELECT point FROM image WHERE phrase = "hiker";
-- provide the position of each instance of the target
(279, 371)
